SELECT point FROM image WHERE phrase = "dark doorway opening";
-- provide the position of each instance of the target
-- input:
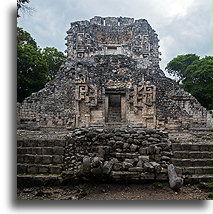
(114, 108)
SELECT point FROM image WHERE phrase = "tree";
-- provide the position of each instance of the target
(35, 67)
(178, 65)
(32, 71)
(199, 80)
(195, 76)
(23, 37)
(54, 59)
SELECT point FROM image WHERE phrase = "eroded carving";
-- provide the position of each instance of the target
(142, 94)
(85, 92)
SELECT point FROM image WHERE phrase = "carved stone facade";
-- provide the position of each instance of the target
(112, 35)
(112, 77)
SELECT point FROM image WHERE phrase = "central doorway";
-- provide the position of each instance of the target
(114, 108)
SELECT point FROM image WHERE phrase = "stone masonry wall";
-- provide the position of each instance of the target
(120, 154)
(114, 154)
(130, 154)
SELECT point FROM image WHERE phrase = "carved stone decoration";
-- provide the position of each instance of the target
(80, 41)
(142, 94)
(80, 78)
(86, 92)
(146, 44)
(81, 90)
(91, 98)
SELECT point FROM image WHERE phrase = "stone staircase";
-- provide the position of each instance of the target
(193, 162)
(114, 115)
(39, 162)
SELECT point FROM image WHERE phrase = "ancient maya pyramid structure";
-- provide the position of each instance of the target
(112, 77)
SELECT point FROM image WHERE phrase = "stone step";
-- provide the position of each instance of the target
(55, 150)
(39, 169)
(192, 162)
(40, 143)
(38, 180)
(193, 170)
(197, 178)
(191, 147)
(192, 154)
(40, 159)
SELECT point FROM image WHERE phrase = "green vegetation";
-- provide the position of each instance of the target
(158, 185)
(35, 67)
(54, 59)
(194, 75)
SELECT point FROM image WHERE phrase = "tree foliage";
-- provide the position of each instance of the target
(32, 71)
(35, 67)
(178, 65)
(195, 75)
(23, 37)
(54, 59)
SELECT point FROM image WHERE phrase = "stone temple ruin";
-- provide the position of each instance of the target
(112, 76)
(114, 102)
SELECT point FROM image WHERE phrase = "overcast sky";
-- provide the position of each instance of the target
(183, 26)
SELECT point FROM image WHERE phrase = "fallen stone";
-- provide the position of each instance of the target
(97, 162)
(148, 167)
(86, 164)
(175, 182)
(156, 166)
(107, 167)
(126, 165)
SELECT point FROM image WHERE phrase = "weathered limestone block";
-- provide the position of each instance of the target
(86, 164)
(127, 165)
(117, 166)
(107, 167)
(152, 149)
(47, 159)
(175, 182)
(133, 147)
(143, 151)
(125, 146)
(165, 158)
(156, 166)
(152, 139)
(101, 151)
(32, 169)
(143, 158)
(97, 162)
(136, 169)
(148, 167)
(57, 159)
(147, 176)
(43, 169)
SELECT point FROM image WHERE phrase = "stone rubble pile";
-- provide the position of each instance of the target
(131, 154)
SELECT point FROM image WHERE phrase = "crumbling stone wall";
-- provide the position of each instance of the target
(132, 154)
(109, 154)
(106, 154)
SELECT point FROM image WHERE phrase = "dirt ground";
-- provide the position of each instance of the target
(150, 191)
